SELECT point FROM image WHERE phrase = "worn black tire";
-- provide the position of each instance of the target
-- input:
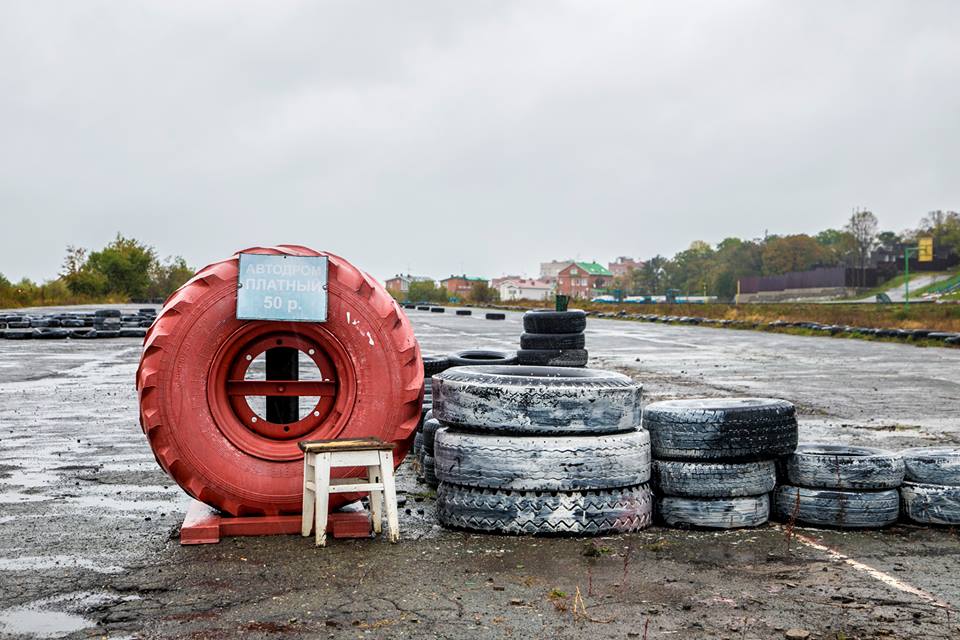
(107, 333)
(496, 316)
(714, 479)
(930, 503)
(133, 333)
(417, 443)
(714, 513)
(837, 508)
(731, 429)
(434, 364)
(430, 427)
(473, 357)
(553, 357)
(108, 313)
(437, 310)
(545, 513)
(429, 477)
(530, 463)
(552, 341)
(19, 334)
(464, 312)
(83, 334)
(932, 465)
(550, 321)
(52, 334)
(537, 400)
(828, 466)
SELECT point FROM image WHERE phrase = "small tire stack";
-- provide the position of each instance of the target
(840, 486)
(930, 493)
(553, 338)
(540, 450)
(423, 446)
(432, 365)
(715, 459)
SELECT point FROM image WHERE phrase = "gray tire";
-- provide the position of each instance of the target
(933, 465)
(828, 466)
(714, 479)
(931, 503)
(553, 357)
(550, 321)
(732, 429)
(417, 443)
(475, 357)
(430, 427)
(433, 365)
(552, 341)
(715, 513)
(537, 400)
(531, 463)
(429, 477)
(549, 513)
(837, 508)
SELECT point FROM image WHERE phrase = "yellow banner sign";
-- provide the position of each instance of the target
(925, 254)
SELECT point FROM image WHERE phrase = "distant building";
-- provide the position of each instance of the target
(622, 265)
(550, 270)
(524, 289)
(496, 282)
(400, 283)
(460, 286)
(583, 280)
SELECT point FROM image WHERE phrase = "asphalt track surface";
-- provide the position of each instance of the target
(88, 521)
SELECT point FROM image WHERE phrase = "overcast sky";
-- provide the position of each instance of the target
(439, 137)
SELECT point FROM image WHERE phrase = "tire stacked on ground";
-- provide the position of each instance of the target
(715, 459)
(840, 486)
(432, 365)
(424, 446)
(553, 338)
(540, 450)
(930, 493)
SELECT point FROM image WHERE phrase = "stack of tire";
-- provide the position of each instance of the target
(432, 365)
(840, 486)
(930, 493)
(540, 450)
(553, 338)
(715, 459)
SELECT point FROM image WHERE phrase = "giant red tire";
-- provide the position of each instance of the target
(191, 381)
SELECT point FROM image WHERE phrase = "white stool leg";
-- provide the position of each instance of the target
(306, 519)
(321, 475)
(376, 498)
(390, 494)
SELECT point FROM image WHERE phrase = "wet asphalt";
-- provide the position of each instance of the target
(88, 522)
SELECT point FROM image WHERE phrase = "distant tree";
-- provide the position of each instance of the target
(839, 243)
(734, 259)
(944, 227)
(783, 254)
(167, 277)
(427, 291)
(126, 263)
(863, 227)
(652, 275)
(889, 240)
(483, 293)
(689, 270)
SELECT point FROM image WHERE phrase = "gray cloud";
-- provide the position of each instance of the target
(447, 136)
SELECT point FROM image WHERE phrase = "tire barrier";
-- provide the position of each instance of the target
(553, 338)
(193, 385)
(840, 486)
(540, 450)
(931, 492)
(715, 459)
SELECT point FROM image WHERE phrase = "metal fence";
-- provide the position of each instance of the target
(823, 278)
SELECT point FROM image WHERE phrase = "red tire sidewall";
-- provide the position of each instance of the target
(378, 395)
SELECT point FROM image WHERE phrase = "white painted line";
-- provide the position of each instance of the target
(885, 578)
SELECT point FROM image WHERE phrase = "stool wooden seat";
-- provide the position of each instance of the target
(319, 456)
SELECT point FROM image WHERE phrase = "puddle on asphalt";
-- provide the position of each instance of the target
(42, 563)
(41, 623)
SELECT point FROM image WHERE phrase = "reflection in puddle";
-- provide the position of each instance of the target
(40, 623)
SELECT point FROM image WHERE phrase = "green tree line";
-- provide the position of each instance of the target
(122, 271)
(704, 269)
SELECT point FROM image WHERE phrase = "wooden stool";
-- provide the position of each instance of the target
(321, 455)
